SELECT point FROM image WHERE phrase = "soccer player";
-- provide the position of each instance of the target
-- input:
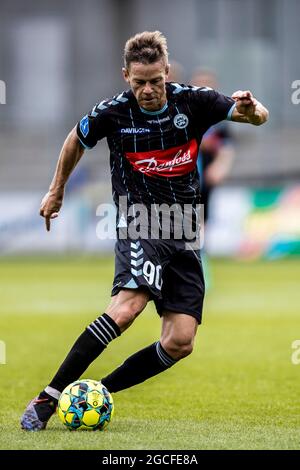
(153, 132)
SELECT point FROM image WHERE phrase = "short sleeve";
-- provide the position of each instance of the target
(94, 126)
(212, 106)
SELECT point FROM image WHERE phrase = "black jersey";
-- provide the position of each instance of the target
(153, 155)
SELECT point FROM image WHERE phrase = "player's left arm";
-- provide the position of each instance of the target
(248, 109)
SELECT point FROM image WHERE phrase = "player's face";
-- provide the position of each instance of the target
(148, 83)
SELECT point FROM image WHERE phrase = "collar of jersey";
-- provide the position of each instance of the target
(153, 113)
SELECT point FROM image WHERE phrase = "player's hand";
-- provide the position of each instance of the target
(50, 206)
(245, 102)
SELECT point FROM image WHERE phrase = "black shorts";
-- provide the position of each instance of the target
(170, 269)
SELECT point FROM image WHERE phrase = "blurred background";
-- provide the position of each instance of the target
(57, 59)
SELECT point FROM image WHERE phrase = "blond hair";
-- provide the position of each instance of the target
(146, 48)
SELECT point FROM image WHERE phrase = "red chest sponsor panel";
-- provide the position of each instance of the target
(175, 161)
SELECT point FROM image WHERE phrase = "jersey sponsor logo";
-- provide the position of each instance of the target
(181, 121)
(135, 130)
(159, 121)
(175, 161)
(84, 126)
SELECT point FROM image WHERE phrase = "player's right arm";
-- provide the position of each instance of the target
(70, 155)
(89, 130)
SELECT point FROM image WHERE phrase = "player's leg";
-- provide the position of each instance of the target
(181, 310)
(123, 309)
(177, 339)
(178, 334)
(120, 314)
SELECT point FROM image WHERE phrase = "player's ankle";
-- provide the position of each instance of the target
(45, 395)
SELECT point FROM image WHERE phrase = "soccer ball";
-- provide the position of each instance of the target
(85, 404)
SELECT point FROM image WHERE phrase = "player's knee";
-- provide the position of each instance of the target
(183, 350)
(178, 348)
(127, 311)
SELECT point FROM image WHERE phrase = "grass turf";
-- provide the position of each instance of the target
(238, 390)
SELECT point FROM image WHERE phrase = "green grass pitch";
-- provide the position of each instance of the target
(238, 390)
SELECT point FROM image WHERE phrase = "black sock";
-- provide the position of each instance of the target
(46, 406)
(138, 368)
(86, 349)
(44, 395)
